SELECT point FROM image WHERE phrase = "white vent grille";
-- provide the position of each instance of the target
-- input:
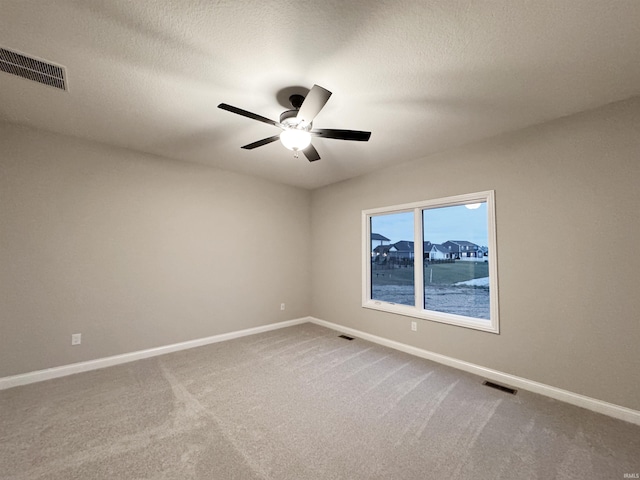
(32, 69)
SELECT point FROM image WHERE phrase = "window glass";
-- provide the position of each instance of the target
(456, 280)
(392, 276)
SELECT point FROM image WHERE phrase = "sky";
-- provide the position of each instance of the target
(440, 224)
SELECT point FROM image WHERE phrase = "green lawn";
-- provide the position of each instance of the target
(439, 273)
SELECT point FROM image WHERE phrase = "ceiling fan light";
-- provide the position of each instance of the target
(295, 139)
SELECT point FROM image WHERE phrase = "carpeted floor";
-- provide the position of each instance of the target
(300, 403)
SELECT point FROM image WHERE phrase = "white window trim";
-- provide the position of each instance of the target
(493, 324)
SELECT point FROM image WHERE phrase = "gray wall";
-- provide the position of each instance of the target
(135, 251)
(568, 226)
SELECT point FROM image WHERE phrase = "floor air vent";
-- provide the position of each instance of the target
(32, 69)
(502, 388)
(346, 337)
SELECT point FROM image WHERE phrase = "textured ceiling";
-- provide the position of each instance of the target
(423, 76)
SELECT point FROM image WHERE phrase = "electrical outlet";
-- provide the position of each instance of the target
(414, 326)
(282, 306)
(76, 338)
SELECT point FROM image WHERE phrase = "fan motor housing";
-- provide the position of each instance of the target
(288, 114)
(289, 119)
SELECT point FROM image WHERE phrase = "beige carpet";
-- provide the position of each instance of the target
(300, 403)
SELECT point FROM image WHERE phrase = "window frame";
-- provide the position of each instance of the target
(491, 325)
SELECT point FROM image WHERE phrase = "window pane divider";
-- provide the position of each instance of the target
(418, 262)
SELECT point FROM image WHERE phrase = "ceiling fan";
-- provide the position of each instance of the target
(297, 124)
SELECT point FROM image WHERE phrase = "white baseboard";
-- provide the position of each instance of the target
(610, 409)
(64, 370)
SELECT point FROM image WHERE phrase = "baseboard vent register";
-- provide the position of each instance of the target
(502, 388)
(346, 337)
(32, 69)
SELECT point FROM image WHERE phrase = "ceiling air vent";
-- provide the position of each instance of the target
(32, 69)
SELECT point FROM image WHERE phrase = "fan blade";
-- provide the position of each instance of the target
(313, 103)
(259, 143)
(244, 113)
(311, 153)
(356, 135)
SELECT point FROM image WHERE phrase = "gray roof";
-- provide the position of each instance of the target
(377, 236)
(463, 243)
(404, 246)
(439, 248)
(458, 246)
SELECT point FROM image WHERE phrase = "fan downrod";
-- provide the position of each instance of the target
(296, 101)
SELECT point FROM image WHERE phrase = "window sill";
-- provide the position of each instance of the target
(450, 319)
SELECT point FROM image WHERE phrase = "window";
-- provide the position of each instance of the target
(438, 260)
